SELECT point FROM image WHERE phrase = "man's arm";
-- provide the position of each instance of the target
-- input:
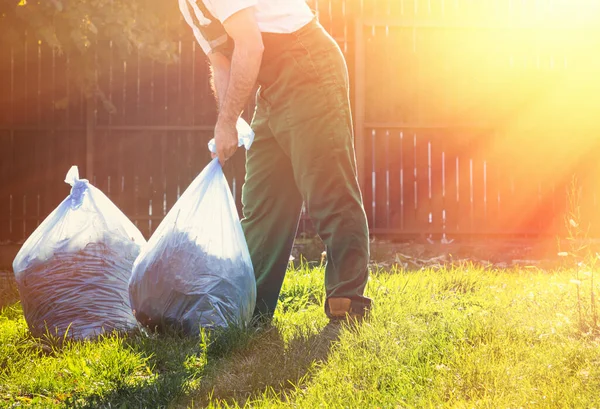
(220, 68)
(233, 94)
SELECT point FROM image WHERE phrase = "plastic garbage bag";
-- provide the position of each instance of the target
(195, 270)
(73, 271)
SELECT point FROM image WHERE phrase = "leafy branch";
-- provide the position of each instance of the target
(83, 29)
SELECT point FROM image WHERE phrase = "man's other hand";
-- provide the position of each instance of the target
(226, 140)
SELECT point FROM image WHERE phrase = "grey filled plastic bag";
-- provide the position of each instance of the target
(195, 271)
(73, 271)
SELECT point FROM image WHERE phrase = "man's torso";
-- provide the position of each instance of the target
(272, 16)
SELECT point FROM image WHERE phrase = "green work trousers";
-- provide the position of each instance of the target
(303, 151)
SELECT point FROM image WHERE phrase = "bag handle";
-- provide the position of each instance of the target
(78, 186)
(72, 176)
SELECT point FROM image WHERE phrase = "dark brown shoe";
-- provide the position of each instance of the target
(340, 308)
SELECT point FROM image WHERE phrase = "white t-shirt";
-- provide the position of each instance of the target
(272, 16)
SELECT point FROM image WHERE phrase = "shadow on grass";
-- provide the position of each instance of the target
(166, 357)
(236, 365)
(174, 362)
(267, 365)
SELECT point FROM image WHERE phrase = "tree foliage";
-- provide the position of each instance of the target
(83, 29)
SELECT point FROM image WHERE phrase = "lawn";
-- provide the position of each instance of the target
(464, 337)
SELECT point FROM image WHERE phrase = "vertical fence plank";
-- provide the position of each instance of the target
(360, 133)
(492, 188)
(23, 97)
(33, 182)
(325, 13)
(164, 78)
(525, 200)
(75, 108)
(50, 175)
(409, 8)
(436, 9)
(506, 196)
(105, 163)
(104, 55)
(54, 156)
(31, 169)
(46, 68)
(436, 193)
(337, 19)
(374, 85)
(181, 95)
(6, 184)
(21, 158)
(118, 91)
(35, 56)
(410, 180)
(146, 74)
(478, 175)
(6, 85)
(143, 147)
(394, 180)
(19, 152)
(535, 191)
(77, 154)
(463, 169)
(379, 179)
(187, 155)
(134, 90)
(157, 175)
(450, 183)
(129, 103)
(106, 159)
(423, 211)
(127, 170)
(388, 165)
(369, 180)
(171, 147)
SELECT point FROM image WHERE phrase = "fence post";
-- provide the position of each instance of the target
(359, 97)
(90, 128)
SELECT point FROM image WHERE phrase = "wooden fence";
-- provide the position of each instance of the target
(442, 147)
(472, 117)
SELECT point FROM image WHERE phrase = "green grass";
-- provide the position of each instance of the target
(459, 338)
(8, 288)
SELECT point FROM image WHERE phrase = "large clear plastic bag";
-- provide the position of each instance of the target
(196, 271)
(74, 269)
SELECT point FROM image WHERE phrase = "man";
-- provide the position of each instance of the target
(303, 147)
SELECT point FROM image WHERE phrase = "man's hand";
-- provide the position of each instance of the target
(226, 140)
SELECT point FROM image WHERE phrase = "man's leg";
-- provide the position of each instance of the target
(271, 207)
(314, 126)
